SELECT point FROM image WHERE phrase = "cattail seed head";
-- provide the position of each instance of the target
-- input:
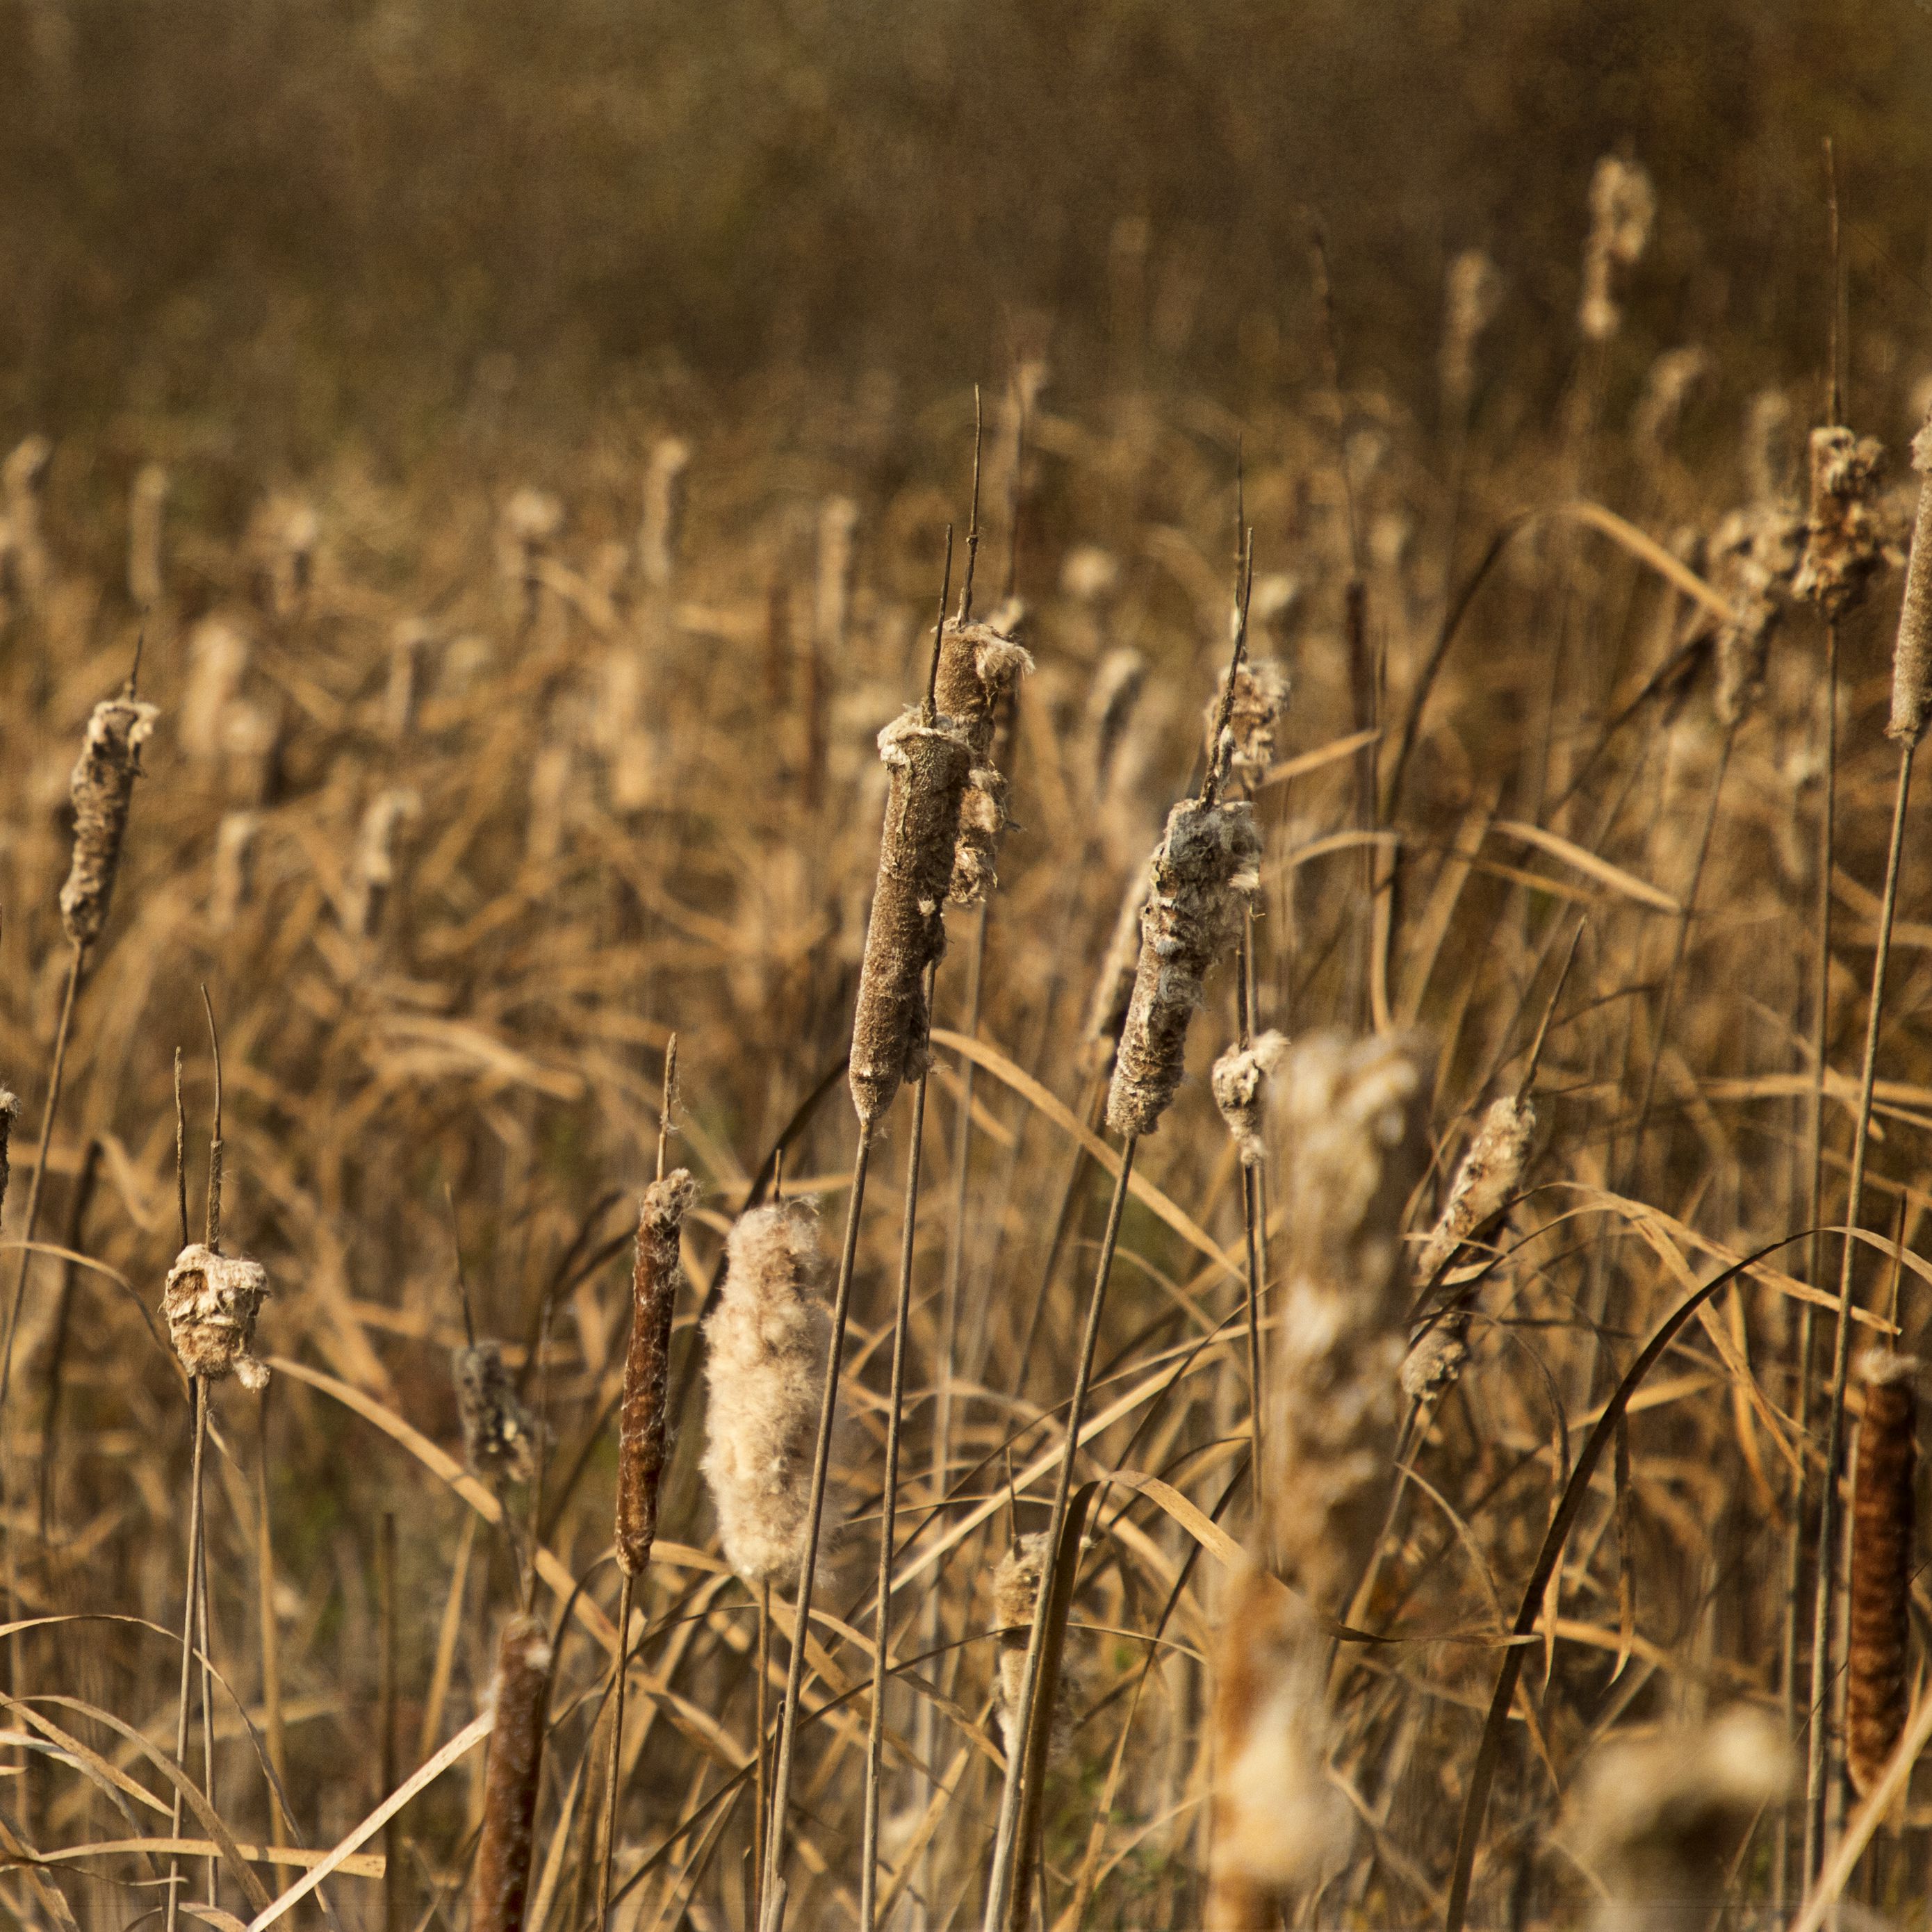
(1015, 1596)
(978, 666)
(1113, 984)
(9, 1112)
(1669, 389)
(1437, 1357)
(211, 1303)
(766, 1345)
(1880, 1611)
(1259, 703)
(1205, 868)
(1911, 656)
(1352, 1116)
(513, 1777)
(1622, 205)
(1751, 556)
(1240, 1081)
(146, 503)
(662, 529)
(1474, 294)
(217, 661)
(22, 477)
(1768, 454)
(1659, 1821)
(1118, 682)
(1844, 533)
(1489, 1177)
(234, 868)
(926, 767)
(499, 1435)
(642, 1422)
(373, 870)
(102, 789)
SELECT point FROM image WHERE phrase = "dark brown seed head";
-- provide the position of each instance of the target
(1881, 1592)
(102, 788)
(511, 1781)
(499, 1433)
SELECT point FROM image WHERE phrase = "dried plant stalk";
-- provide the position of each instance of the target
(1353, 1117)
(1879, 1611)
(1912, 657)
(102, 789)
(927, 763)
(978, 665)
(766, 1348)
(1206, 866)
(1240, 1081)
(512, 1780)
(211, 1304)
(9, 1112)
(499, 1435)
(656, 1278)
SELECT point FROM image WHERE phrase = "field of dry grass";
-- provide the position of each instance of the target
(1355, 1358)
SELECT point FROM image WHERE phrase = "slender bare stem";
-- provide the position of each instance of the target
(198, 1389)
(761, 1761)
(614, 1756)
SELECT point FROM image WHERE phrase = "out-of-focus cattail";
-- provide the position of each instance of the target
(1240, 1081)
(1674, 380)
(9, 1112)
(1279, 1825)
(290, 531)
(1259, 703)
(1015, 1594)
(1473, 293)
(1751, 556)
(1119, 679)
(765, 1354)
(1622, 206)
(1206, 865)
(373, 870)
(1880, 1615)
(1911, 656)
(837, 564)
(233, 870)
(1091, 576)
(146, 503)
(22, 476)
(499, 1435)
(642, 1422)
(1488, 1179)
(409, 646)
(926, 767)
(520, 1694)
(103, 789)
(1113, 984)
(1353, 1117)
(661, 532)
(217, 661)
(211, 1303)
(1659, 1820)
(1768, 454)
(978, 666)
(531, 522)
(1844, 534)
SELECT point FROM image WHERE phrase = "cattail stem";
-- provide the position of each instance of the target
(761, 1758)
(614, 1760)
(1001, 1889)
(198, 1392)
(1818, 1754)
(771, 1911)
(869, 1851)
(1251, 1217)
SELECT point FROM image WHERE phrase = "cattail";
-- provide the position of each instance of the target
(1015, 1596)
(1240, 1081)
(1113, 984)
(1675, 378)
(217, 661)
(1474, 291)
(102, 789)
(146, 505)
(1880, 1615)
(234, 867)
(1768, 454)
(766, 1348)
(499, 1435)
(211, 1303)
(551, 771)
(978, 666)
(1279, 1825)
(290, 531)
(1659, 1821)
(9, 1112)
(1622, 206)
(838, 563)
(409, 646)
(1752, 555)
(656, 1277)
(1485, 1184)
(1844, 534)
(511, 1784)
(531, 522)
(662, 528)
(1911, 656)
(372, 871)
(22, 476)
(1257, 707)
(1354, 1119)
(1206, 865)
(1119, 679)
(927, 765)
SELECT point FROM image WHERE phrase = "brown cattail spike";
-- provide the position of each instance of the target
(1911, 656)
(978, 666)
(103, 789)
(766, 1349)
(211, 1304)
(1205, 866)
(642, 1422)
(1881, 1563)
(499, 1433)
(926, 763)
(511, 1782)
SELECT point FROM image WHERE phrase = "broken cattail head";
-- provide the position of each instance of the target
(1206, 867)
(499, 1435)
(1489, 1179)
(926, 767)
(1258, 704)
(1844, 533)
(9, 1112)
(1912, 657)
(1016, 1595)
(1880, 1619)
(978, 665)
(1437, 1357)
(102, 789)
(211, 1304)
(1241, 1091)
(643, 1424)
(1752, 555)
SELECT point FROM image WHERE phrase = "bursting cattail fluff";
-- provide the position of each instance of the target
(1205, 868)
(211, 1303)
(1015, 1596)
(766, 1345)
(1622, 206)
(1911, 656)
(1752, 555)
(1353, 1117)
(512, 1779)
(1254, 712)
(978, 666)
(1488, 1179)
(926, 767)
(1659, 1820)
(1844, 535)
(642, 1422)
(499, 1435)
(1240, 1081)
(1879, 1618)
(102, 789)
